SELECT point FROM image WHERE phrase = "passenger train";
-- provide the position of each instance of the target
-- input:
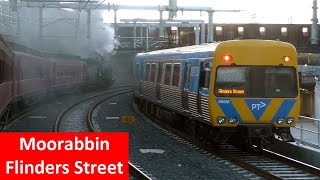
(23, 76)
(238, 88)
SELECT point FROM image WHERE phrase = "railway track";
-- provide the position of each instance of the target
(137, 173)
(268, 165)
(19, 120)
(78, 118)
(78, 112)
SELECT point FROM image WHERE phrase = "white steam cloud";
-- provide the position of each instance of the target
(64, 31)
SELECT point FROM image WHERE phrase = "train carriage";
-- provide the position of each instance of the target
(27, 79)
(247, 88)
(67, 73)
(67, 69)
(6, 74)
(32, 73)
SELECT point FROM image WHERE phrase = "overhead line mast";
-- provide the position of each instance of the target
(172, 8)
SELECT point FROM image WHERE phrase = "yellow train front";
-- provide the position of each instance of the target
(255, 87)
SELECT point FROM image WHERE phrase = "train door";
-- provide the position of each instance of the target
(204, 83)
(185, 88)
(137, 77)
(141, 78)
(137, 73)
(159, 78)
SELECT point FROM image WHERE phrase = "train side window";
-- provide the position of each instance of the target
(5, 76)
(186, 77)
(1, 74)
(262, 31)
(153, 72)
(147, 75)
(176, 75)
(137, 69)
(240, 31)
(305, 31)
(141, 71)
(205, 75)
(4, 71)
(284, 31)
(167, 75)
(218, 30)
(5, 68)
(9, 73)
(20, 74)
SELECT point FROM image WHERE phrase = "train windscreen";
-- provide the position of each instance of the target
(256, 82)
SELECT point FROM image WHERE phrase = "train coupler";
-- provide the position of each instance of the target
(256, 131)
(285, 135)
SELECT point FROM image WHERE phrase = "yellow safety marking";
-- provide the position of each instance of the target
(128, 119)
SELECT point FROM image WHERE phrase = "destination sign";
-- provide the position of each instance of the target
(231, 91)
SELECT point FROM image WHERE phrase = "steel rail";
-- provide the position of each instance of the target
(300, 165)
(136, 172)
(231, 158)
(57, 123)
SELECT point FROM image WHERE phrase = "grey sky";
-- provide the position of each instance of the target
(256, 11)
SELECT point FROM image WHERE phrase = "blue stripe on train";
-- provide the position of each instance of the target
(228, 108)
(284, 109)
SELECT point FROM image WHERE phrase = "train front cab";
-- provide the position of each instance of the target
(255, 88)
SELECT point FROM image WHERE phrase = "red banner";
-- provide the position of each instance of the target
(63, 156)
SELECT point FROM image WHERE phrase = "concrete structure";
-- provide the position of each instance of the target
(314, 30)
(317, 100)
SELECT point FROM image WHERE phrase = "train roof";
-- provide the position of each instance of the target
(207, 50)
(19, 53)
(60, 60)
(58, 55)
(255, 43)
(4, 47)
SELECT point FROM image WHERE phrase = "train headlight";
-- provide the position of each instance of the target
(280, 120)
(227, 57)
(221, 120)
(232, 120)
(290, 120)
(286, 58)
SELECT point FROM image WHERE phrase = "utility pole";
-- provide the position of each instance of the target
(314, 27)
(89, 25)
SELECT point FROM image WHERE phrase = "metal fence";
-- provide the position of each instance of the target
(309, 70)
(307, 131)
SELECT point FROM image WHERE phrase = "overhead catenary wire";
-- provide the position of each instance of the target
(97, 6)
(84, 6)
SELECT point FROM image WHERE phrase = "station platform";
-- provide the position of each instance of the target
(306, 147)
(308, 133)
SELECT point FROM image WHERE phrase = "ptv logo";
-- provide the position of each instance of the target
(257, 106)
